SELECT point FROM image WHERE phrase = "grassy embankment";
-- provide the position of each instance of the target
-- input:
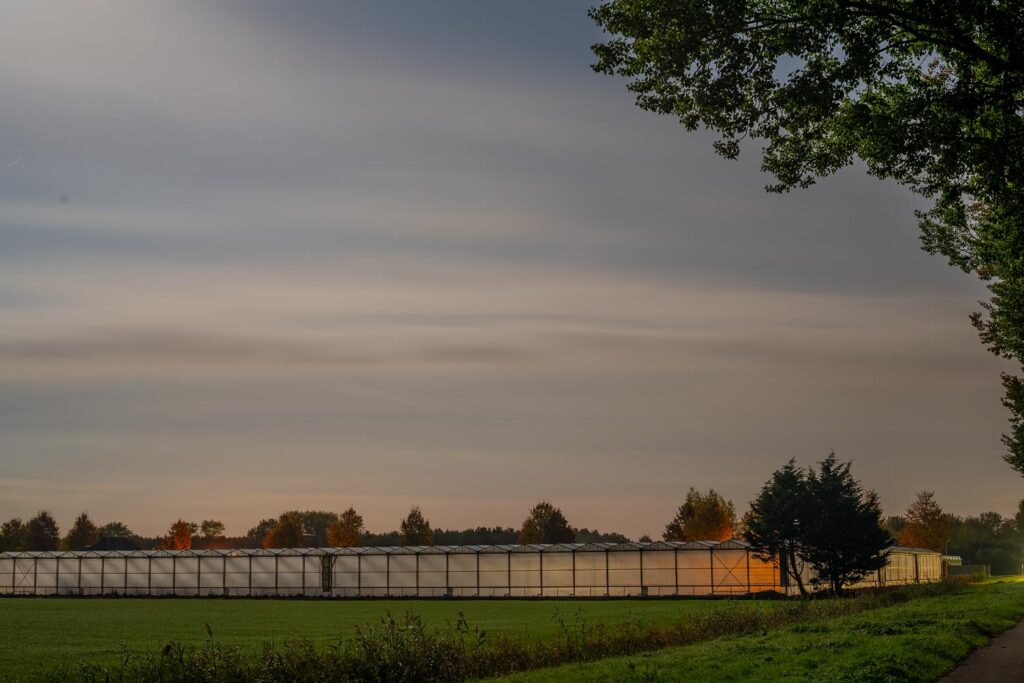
(919, 640)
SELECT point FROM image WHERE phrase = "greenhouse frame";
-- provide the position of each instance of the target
(664, 568)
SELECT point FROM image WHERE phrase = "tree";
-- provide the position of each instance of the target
(416, 529)
(841, 531)
(179, 536)
(316, 522)
(13, 535)
(988, 539)
(928, 94)
(927, 525)
(546, 524)
(1018, 519)
(259, 532)
(287, 533)
(774, 522)
(585, 535)
(702, 517)
(386, 538)
(42, 532)
(115, 530)
(347, 531)
(211, 528)
(83, 533)
(895, 524)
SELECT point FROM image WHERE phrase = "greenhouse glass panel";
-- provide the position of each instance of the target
(591, 574)
(403, 574)
(694, 571)
(584, 570)
(374, 574)
(660, 570)
(558, 572)
(494, 572)
(624, 572)
(525, 574)
(462, 573)
(432, 574)
(7, 575)
(237, 575)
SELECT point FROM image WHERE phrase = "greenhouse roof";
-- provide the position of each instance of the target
(626, 546)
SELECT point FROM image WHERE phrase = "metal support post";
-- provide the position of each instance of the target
(607, 574)
(711, 566)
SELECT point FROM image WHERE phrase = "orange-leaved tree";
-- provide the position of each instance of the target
(348, 531)
(287, 533)
(179, 537)
(927, 524)
(702, 517)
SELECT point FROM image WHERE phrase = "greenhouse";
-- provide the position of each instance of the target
(700, 568)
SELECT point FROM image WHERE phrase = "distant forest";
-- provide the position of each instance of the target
(779, 521)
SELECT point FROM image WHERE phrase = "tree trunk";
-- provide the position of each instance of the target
(794, 571)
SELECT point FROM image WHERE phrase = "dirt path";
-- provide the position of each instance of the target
(1001, 661)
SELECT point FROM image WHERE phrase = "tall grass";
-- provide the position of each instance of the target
(406, 649)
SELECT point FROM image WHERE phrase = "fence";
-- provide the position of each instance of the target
(699, 568)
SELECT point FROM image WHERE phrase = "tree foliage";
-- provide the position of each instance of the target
(316, 522)
(546, 524)
(823, 518)
(988, 539)
(775, 520)
(927, 525)
(115, 530)
(416, 529)
(347, 531)
(13, 535)
(259, 532)
(82, 534)
(286, 533)
(895, 524)
(842, 533)
(211, 528)
(928, 94)
(702, 517)
(179, 536)
(42, 532)
(586, 535)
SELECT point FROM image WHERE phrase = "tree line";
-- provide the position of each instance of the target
(290, 529)
(988, 539)
(818, 517)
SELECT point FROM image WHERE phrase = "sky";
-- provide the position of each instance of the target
(266, 256)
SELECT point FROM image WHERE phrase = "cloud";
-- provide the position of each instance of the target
(410, 253)
(149, 351)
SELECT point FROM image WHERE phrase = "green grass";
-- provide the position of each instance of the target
(915, 641)
(907, 634)
(37, 634)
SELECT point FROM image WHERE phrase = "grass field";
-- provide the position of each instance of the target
(37, 634)
(906, 634)
(916, 641)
